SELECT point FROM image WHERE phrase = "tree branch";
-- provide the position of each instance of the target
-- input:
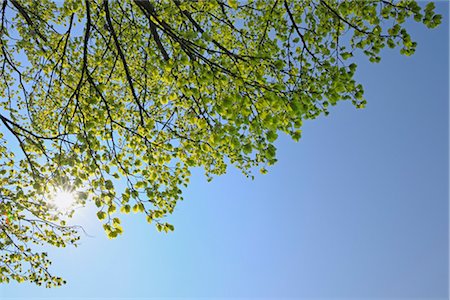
(124, 61)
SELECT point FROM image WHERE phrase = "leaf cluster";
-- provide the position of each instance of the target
(100, 95)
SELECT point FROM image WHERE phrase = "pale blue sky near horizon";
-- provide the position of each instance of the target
(358, 208)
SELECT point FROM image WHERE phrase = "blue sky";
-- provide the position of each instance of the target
(358, 208)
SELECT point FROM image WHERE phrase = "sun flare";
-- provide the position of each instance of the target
(63, 199)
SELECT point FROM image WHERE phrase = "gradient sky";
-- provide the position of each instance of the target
(358, 208)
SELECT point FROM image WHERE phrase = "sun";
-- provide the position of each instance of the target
(63, 199)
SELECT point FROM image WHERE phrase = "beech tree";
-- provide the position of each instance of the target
(94, 93)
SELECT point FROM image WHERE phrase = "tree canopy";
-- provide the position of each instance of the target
(116, 101)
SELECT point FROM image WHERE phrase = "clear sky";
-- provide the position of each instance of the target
(358, 208)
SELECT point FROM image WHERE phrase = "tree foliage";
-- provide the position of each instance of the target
(94, 93)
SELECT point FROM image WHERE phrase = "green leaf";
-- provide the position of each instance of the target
(125, 209)
(272, 136)
(233, 4)
(101, 215)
